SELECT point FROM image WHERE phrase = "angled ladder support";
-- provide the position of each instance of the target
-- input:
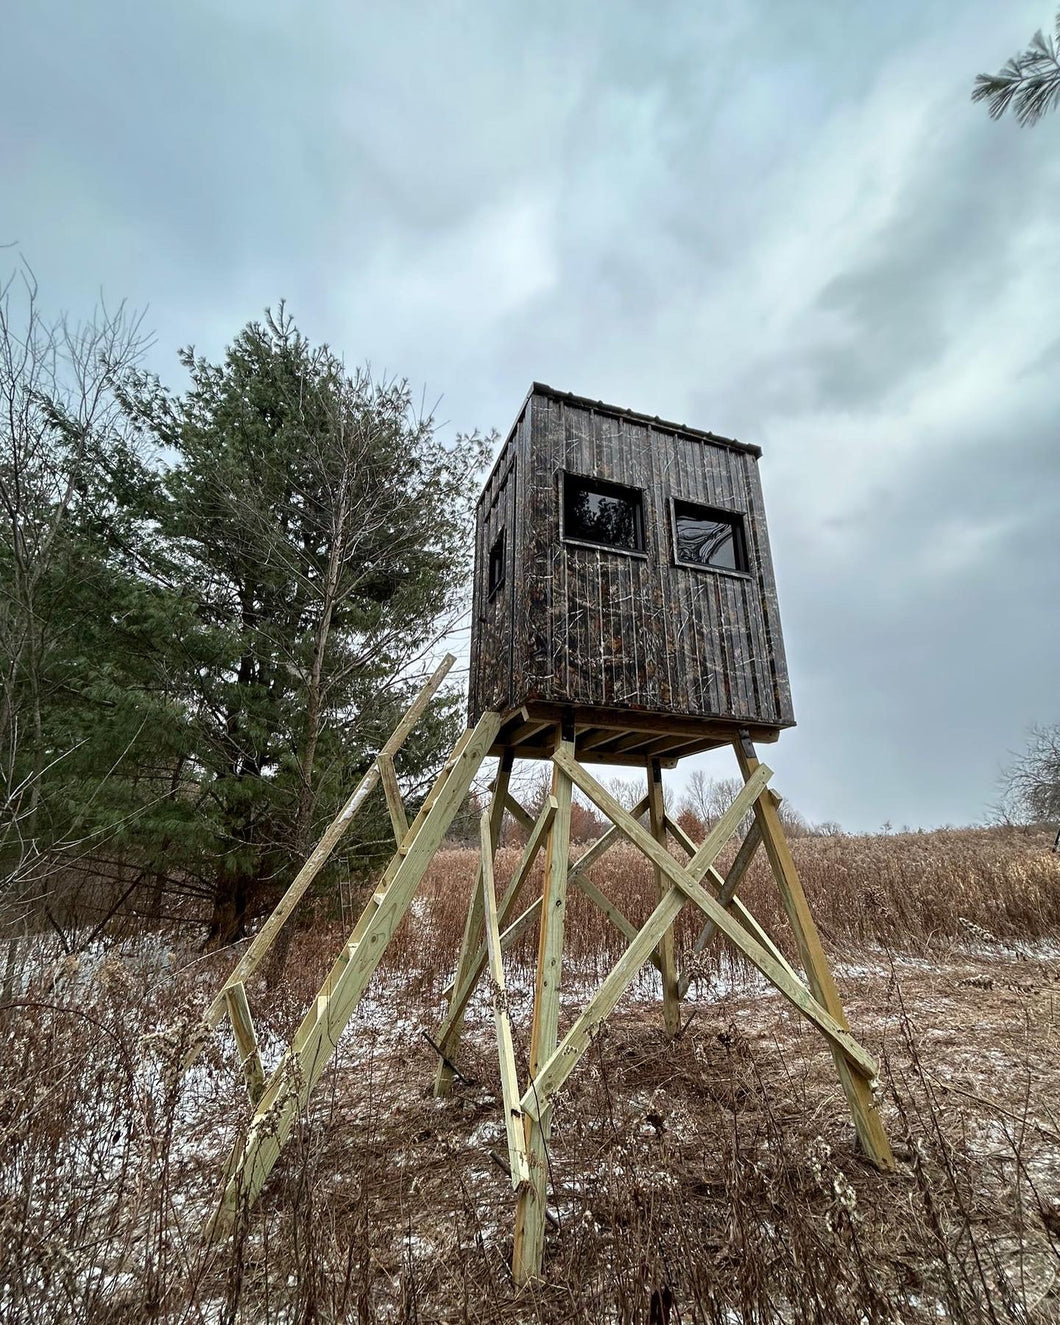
(288, 1090)
(492, 926)
(857, 1088)
(448, 1038)
(266, 936)
(513, 1117)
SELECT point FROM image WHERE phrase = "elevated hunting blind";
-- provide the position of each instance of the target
(624, 612)
(622, 569)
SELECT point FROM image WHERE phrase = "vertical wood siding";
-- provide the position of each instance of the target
(596, 627)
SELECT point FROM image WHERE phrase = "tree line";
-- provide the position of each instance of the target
(215, 603)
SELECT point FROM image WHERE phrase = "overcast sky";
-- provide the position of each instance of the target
(784, 222)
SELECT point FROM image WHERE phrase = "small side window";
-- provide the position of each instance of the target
(704, 536)
(495, 578)
(607, 514)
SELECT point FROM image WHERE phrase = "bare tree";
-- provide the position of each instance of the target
(1031, 783)
(56, 403)
(1029, 83)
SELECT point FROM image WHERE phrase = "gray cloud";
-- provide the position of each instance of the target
(784, 222)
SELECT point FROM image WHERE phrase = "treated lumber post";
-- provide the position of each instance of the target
(458, 998)
(867, 1121)
(394, 804)
(290, 1086)
(266, 936)
(726, 893)
(530, 1215)
(449, 1042)
(665, 950)
(246, 1040)
(739, 911)
(513, 1118)
(686, 879)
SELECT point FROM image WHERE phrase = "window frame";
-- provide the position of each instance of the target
(494, 587)
(603, 485)
(738, 521)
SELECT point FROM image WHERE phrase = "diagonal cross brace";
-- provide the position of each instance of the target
(318, 858)
(299, 1070)
(685, 886)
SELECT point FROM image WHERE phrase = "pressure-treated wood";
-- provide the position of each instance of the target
(449, 1037)
(290, 1086)
(311, 1017)
(459, 996)
(665, 951)
(266, 936)
(837, 1034)
(392, 792)
(610, 911)
(858, 1090)
(246, 1040)
(726, 893)
(739, 911)
(530, 1219)
(513, 1117)
(563, 1061)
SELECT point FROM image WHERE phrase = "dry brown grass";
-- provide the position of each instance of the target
(914, 892)
(713, 1179)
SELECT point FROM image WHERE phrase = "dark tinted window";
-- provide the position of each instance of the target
(496, 569)
(706, 537)
(603, 513)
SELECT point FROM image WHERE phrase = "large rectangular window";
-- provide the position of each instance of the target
(704, 536)
(607, 514)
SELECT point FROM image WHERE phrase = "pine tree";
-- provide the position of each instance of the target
(1029, 83)
(320, 529)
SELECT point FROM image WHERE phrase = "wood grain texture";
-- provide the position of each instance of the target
(593, 627)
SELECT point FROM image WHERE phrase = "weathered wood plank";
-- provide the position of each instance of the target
(597, 627)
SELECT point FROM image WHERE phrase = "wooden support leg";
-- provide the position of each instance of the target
(665, 950)
(266, 936)
(458, 997)
(529, 1245)
(687, 880)
(726, 894)
(513, 1118)
(246, 1040)
(822, 985)
(449, 1042)
(288, 1090)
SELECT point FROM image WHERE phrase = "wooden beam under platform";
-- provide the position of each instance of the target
(625, 737)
